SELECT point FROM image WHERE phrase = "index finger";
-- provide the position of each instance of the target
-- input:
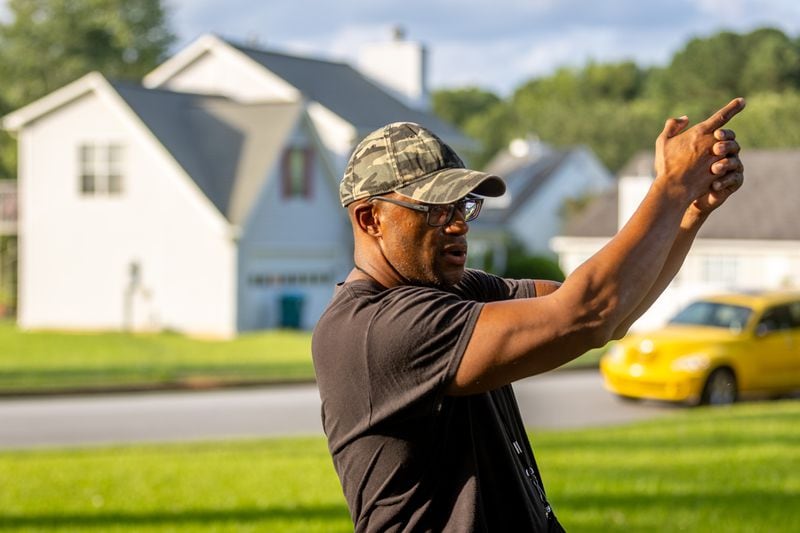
(721, 117)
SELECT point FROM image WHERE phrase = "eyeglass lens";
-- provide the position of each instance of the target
(442, 215)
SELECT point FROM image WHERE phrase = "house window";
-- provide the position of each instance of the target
(296, 168)
(100, 169)
(291, 278)
(720, 269)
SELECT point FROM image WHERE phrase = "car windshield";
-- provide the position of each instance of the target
(714, 314)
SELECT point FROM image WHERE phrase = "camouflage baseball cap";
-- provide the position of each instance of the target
(408, 159)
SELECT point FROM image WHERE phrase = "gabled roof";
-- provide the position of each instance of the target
(524, 176)
(597, 219)
(640, 165)
(345, 91)
(226, 147)
(337, 86)
(765, 208)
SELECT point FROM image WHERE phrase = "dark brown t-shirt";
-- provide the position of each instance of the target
(410, 458)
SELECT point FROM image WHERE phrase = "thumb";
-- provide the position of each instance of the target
(674, 126)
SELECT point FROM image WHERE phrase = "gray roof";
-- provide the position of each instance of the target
(597, 219)
(226, 147)
(640, 165)
(765, 208)
(346, 92)
(524, 176)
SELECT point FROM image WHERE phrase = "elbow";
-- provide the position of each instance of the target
(601, 325)
(602, 334)
(594, 333)
(619, 332)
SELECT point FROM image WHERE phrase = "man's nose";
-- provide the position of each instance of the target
(457, 225)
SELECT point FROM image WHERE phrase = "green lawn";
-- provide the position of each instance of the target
(39, 361)
(55, 360)
(728, 469)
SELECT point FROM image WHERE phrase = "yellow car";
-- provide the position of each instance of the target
(713, 351)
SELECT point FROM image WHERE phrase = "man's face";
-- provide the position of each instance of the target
(424, 255)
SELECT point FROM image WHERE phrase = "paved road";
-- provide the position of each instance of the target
(556, 400)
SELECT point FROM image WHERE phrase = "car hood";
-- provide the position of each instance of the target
(676, 341)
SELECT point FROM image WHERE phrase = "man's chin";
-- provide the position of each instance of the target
(452, 278)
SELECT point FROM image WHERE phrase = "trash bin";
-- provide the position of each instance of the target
(291, 311)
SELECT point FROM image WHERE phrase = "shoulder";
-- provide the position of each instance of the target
(484, 287)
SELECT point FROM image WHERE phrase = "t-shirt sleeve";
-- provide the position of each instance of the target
(415, 344)
(485, 287)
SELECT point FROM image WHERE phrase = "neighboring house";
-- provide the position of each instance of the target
(205, 202)
(344, 103)
(751, 243)
(541, 180)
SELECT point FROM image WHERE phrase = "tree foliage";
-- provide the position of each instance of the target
(520, 264)
(618, 109)
(49, 43)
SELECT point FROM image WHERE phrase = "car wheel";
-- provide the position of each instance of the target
(720, 388)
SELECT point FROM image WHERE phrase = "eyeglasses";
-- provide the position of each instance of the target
(441, 215)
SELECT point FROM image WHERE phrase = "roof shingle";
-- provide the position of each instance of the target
(765, 208)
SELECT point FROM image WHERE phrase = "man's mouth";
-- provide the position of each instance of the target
(456, 254)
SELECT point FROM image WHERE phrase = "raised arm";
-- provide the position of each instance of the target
(518, 338)
(730, 176)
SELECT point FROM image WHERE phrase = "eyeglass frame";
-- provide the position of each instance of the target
(426, 208)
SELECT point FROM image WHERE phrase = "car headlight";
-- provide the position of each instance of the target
(691, 363)
(615, 354)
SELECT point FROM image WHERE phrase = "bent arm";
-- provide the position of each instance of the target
(731, 177)
(677, 254)
(518, 338)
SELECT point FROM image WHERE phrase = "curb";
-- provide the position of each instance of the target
(191, 385)
(198, 384)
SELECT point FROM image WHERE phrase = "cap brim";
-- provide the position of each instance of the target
(452, 184)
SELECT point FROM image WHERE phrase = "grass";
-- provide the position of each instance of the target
(280, 485)
(590, 359)
(726, 469)
(56, 360)
(59, 361)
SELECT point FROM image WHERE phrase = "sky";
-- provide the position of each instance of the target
(493, 44)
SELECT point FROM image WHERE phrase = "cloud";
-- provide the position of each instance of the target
(497, 44)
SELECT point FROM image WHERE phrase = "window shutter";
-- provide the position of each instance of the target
(308, 170)
(286, 173)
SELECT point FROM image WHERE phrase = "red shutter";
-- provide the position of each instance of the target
(286, 176)
(308, 169)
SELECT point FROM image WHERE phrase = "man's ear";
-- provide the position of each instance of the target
(367, 219)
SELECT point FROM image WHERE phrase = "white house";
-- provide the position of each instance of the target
(205, 201)
(344, 103)
(540, 181)
(750, 243)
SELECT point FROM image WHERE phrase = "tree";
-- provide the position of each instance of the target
(706, 69)
(49, 43)
(520, 264)
(598, 106)
(482, 115)
(771, 121)
(618, 109)
(459, 105)
(772, 63)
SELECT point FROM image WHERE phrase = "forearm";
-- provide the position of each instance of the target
(613, 283)
(690, 225)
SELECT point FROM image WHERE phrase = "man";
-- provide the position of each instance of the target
(415, 354)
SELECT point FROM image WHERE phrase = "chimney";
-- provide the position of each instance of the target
(400, 66)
